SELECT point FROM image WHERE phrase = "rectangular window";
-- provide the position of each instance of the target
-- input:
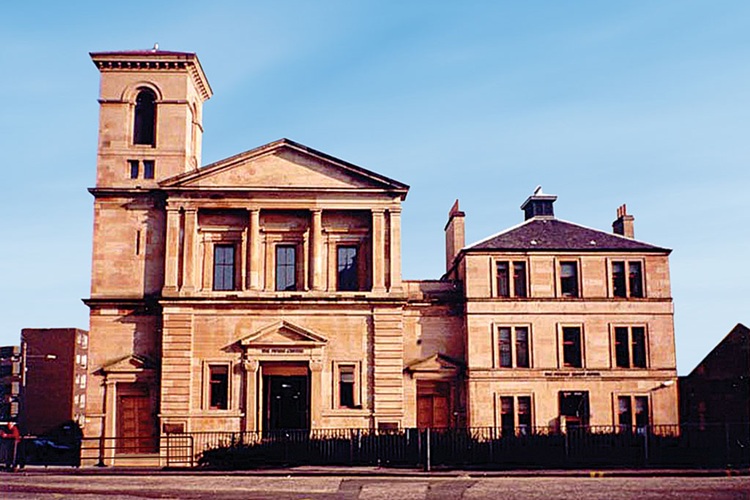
(347, 272)
(507, 416)
(503, 280)
(569, 279)
(630, 284)
(513, 347)
(286, 268)
(635, 279)
(218, 387)
(510, 279)
(641, 411)
(630, 347)
(224, 267)
(148, 169)
(619, 288)
(134, 168)
(572, 355)
(515, 415)
(506, 360)
(624, 413)
(522, 347)
(524, 414)
(346, 386)
(519, 279)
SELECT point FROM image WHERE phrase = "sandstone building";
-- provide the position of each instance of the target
(264, 291)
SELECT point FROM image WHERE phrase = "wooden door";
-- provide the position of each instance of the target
(136, 427)
(433, 405)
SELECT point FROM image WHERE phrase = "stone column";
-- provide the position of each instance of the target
(189, 265)
(395, 247)
(316, 390)
(251, 394)
(316, 246)
(254, 249)
(378, 250)
(109, 430)
(172, 257)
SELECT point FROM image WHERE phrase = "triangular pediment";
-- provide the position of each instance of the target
(283, 334)
(437, 363)
(284, 164)
(129, 364)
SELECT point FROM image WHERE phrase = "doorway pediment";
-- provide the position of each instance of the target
(436, 366)
(283, 334)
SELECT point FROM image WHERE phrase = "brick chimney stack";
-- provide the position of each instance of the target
(455, 238)
(623, 225)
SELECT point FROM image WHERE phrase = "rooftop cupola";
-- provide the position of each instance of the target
(539, 204)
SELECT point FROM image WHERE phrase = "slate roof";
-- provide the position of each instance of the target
(550, 234)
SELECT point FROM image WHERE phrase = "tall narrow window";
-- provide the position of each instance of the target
(134, 168)
(641, 411)
(218, 387)
(503, 280)
(346, 386)
(524, 414)
(522, 347)
(638, 334)
(506, 361)
(569, 279)
(286, 268)
(519, 279)
(627, 279)
(618, 280)
(630, 347)
(144, 122)
(624, 413)
(224, 267)
(635, 279)
(507, 418)
(572, 355)
(347, 269)
(148, 169)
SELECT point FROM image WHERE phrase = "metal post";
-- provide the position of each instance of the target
(646, 431)
(427, 464)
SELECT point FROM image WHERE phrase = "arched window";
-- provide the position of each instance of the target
(144, 123)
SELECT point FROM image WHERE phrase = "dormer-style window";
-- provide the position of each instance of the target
(144, 120)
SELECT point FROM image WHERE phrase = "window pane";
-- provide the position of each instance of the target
(144, 119)
(347, 269)
(641, 411)
(519, 279)
(572, 347)
(636, 279)
(624, 412)
(503, 280)
(346, 386)
(148, 169)
(219, 387)
(639, 346)
(522, 347)
(569, 279)
(622, 350)
(505, 347)
(286, 268)
(524, 414)
(224, 267)
(618, 279)
(134, 167)
(506, 416)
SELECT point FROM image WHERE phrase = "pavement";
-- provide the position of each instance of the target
(373, 471)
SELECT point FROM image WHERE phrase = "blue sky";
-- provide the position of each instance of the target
(602, 103)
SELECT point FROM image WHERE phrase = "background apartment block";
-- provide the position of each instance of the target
(264, 292)
(53, 391)
(10, 382)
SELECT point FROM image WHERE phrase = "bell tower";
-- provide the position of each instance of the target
(150, 118)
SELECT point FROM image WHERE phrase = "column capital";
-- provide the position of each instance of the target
(316, 365)
(394, 210)
(250, 365)
(378, 211)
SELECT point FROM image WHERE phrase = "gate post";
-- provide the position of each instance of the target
(427, 464)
